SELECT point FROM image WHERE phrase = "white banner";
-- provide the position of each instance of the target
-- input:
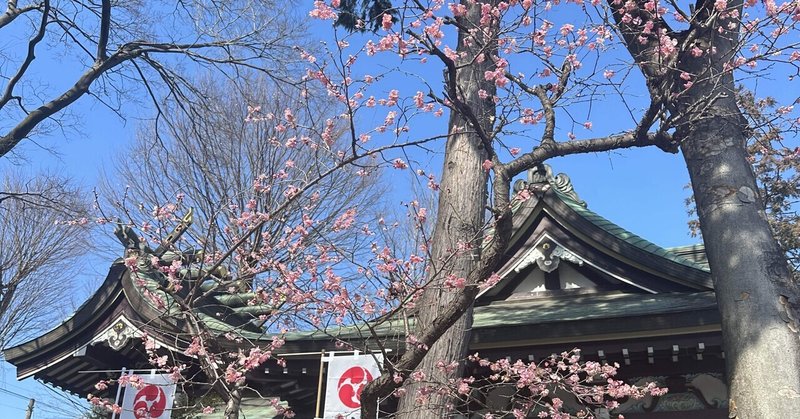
(152, 401)
(347, 377)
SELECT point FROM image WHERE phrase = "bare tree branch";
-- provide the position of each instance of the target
(220, 37)
(80, 88)
(41, 242)
(12, 12)
(12, 83)
(105, 27)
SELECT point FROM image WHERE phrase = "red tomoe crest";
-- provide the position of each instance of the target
(149, 402)
(351, 384)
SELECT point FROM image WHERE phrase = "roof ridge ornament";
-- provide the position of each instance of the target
(543, 174)
(134, 245)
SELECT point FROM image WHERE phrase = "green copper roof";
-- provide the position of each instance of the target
(221, 311)
(624, 234)
(587, 307)
(541, 178)
(537, 311)
(693, 252)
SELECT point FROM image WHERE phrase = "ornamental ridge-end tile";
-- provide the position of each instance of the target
(543, 174)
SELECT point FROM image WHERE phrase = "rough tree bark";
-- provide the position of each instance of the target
(755, 292)
(460, 215)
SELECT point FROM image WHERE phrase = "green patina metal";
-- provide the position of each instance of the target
(588, 307)
(544, 311)
(222, 311)
(626, 235)
(562, 188)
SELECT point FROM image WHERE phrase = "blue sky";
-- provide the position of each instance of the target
(641, 190)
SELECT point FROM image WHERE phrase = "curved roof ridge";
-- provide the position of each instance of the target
(623, 234)
(562, 187)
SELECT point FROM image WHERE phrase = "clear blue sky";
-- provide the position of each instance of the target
(641, 190)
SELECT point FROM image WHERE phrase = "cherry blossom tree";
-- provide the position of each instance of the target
(281, 208)
(298, 285)
(281, 253)
(245, 138)
(521, 82)
(538, 63)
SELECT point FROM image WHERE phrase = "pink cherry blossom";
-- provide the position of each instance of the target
(399, 164)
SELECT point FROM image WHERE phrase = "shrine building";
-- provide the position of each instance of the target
(570, 279)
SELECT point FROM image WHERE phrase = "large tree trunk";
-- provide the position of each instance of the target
(460, 221)
(757, 297)
(754, 287)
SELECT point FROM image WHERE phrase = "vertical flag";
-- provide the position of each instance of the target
(151, 401)
(347, 377)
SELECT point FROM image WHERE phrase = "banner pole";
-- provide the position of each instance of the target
(319, 384)
(119, 390)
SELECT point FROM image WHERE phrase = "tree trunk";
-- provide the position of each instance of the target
(756, 295)
(754, 287)
(459, 222)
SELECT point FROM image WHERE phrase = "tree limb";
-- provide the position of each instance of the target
(12, 12)
(31, 55)
(612, 142)
(105, 25)
(80, 88)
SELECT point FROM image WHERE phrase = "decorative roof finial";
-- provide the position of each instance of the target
(543, 174)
